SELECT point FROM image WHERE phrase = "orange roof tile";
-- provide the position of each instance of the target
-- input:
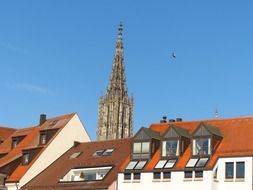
(237, 133)
(30, 141)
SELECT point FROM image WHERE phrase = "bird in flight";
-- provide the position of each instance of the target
(173, 55)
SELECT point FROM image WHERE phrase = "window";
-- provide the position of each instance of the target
(108, 152)
(141, 150)
(166, 175)
(240, 169)
(86, 174)
(127, 176)
(98, 153)
(191, 163)
(140, 165)
(136, 165)
(157, 175)
(75, 155)
(201, 146)
(170, 148)
(14, 143)
(52, 123)
(165, 164)
(26, 157)
(187, 174)
(131, 165)
(201, 162)
(170, 164)
(229, 170)
(43, 138)
(198, 174)
(137, 175)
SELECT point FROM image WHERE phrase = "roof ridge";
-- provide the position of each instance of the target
(205, 120)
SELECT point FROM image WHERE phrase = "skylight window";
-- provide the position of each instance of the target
(75, 155)
(170, 164)
(108, 152)
(136, 165)
(202, 162)
(140, 165)
(98, 153)
(53, 122)
(131, 165)
(192, 162)
(160, 164)
(165, 164)
(197, 162)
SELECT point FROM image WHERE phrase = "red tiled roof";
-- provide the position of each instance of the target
(30, 141)
(5, 132)
(237, 135)
(51, 176)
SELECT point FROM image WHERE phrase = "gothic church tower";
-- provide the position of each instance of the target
(115, 117)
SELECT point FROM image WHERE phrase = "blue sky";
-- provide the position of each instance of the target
(56, 57)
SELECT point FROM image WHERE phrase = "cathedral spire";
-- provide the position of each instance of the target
(115, 117)
(117, 79)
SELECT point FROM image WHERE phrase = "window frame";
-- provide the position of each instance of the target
(167, 176)
(156, 175)
(226, 170)
(26, 158)
(43, 134)
(194, 150)
(141, 154)
(178, 148)
(189, 172)
(199, 172)
(127, 176)
(137, 176)
(237, 175)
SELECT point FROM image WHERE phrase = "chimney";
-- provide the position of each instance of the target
(179, 119)
(172, 120)
(43, 118)
(164, 120)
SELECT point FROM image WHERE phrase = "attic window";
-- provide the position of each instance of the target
(75, 155)
(98, 152)
(16, 141)
(106, 152)
(201, 146)
(43, 138)
(197, 162)
(52, 123)
(136, 165)
(166, 164)
(141, 150)
(25, 158)
(170, 148)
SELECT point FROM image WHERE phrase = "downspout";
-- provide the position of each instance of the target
(16, 186)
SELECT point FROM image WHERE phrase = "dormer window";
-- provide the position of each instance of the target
(16, 141)
(174, 142)
(205, 140)
(141, 150)
(170, 148)
(26, 158)
(43, 138)
(146, 143)
(201, 146)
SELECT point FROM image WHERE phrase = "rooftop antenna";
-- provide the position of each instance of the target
(216, 113)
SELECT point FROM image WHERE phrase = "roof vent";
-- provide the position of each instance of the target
(76, 143)
(43, 118)
(164, 120)
(179, 119)
(172, 120)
